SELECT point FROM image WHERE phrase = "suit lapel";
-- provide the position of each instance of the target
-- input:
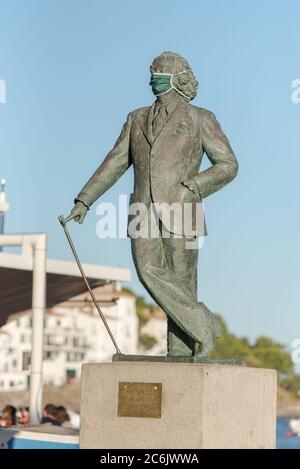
(145, 123)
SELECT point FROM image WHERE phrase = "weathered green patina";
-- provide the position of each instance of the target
(121, 357)
(165, 143)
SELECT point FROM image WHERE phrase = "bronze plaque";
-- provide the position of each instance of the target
(139, 400)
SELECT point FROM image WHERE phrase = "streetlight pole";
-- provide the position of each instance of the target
(4, 206)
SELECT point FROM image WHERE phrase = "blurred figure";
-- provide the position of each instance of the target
(9, 417)
(63, 417)
(24, 416)
(295, 427)
(74, 419)
(50, 415)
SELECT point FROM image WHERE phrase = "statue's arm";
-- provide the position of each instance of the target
(111, 169)
(224, 163)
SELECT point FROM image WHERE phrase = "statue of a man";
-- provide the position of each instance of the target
(165, 143)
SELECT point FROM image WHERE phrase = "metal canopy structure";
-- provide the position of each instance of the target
(63, 281)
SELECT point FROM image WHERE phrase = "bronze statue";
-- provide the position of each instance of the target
(165, 143)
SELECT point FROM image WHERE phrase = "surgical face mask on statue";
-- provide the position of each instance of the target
(162, 83)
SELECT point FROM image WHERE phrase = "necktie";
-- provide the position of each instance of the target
(159, 118)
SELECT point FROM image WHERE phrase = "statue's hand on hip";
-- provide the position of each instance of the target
(191, 185)
(78, 212)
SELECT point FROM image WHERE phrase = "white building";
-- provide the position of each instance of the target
(73, 334)
(156, 327)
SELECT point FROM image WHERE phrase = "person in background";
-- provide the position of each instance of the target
(50, 415)
(24, 416)
(8, 418)
(63, 417)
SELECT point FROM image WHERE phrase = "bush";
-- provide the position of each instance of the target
(147, 341)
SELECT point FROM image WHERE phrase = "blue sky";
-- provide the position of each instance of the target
(73, 71)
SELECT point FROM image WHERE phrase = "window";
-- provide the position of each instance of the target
(70, 375)
(26, 359)
(49, 355)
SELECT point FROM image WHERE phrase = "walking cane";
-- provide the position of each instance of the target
(64, 225)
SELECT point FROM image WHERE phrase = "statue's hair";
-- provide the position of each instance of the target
(170, 62)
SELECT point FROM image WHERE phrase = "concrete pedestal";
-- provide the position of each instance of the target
(182, 406)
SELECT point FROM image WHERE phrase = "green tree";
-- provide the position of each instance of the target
(271, 354)
(147, 341)
(265, 353)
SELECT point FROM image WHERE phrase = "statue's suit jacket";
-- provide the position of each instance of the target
(163, 162)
